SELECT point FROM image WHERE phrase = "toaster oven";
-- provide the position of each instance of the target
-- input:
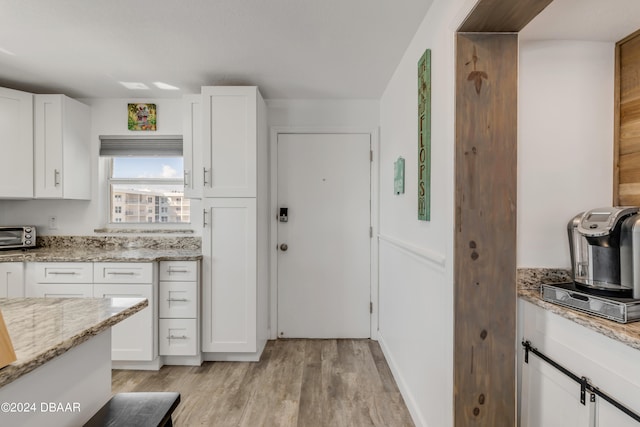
(17, 237)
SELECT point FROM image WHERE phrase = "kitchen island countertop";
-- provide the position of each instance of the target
(42, 329)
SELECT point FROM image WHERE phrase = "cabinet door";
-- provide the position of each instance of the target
(133, 338)
(549, 398)
(229, 276)
(59, 290)
(11, 280)
(62, 148)
(16, 144)
(192, 146)
(229, 139)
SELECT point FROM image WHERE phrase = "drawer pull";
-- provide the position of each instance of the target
(121, 273)
(173, 337)
(172, 270)
(69, 273)
(177, 299)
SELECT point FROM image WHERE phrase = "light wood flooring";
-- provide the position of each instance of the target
(304, 383)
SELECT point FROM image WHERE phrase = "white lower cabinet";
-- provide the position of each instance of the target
(11, 280)
(179, 307)
(549, 398)
(229, 273)
(133, 338)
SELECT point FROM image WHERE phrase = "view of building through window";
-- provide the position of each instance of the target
(148, 190)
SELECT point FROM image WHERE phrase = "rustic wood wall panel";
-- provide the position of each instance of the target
(502, 15)
(485, 234)
(627, 122)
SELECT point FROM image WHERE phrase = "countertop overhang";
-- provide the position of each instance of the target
(84, 254)
(42, 329)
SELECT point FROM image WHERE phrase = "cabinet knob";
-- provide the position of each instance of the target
(284, 247)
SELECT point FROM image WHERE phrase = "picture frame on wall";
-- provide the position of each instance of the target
(142, 117)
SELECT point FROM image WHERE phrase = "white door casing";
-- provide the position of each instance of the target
(324, 276)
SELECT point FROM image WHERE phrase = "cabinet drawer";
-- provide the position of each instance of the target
(178, 337)
(119, 272)
(59, 290)
(178, 299)
(179, 270)
(60, 272)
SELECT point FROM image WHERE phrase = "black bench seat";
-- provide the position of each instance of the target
(140, 409)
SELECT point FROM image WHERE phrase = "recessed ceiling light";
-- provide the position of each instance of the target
(134, 85)
(165, 86)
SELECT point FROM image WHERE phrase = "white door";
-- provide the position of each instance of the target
(324, 273)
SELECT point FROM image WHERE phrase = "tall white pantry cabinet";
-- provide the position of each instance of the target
(233, 169)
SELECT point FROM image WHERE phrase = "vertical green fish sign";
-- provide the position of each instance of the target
(424, 137)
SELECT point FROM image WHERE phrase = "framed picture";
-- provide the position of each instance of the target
(142, 116)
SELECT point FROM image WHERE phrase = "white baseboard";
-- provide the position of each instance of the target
(409, 400)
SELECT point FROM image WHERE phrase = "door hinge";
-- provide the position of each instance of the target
(371, 155)
(371, 232)
(370, 308)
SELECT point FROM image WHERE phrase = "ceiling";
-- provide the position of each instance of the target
(593, 20)
(305, 49)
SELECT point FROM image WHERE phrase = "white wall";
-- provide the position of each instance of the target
(565, 143)
(416, 258)
(335, 113)
(109, 117)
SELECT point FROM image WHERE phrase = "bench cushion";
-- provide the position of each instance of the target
(140, 409)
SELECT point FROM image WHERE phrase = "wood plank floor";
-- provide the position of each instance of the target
(304, 383)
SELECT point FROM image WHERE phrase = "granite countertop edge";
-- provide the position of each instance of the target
(529, 282)
(100, 255)
(20, 367)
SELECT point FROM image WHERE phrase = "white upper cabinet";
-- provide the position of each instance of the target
(62, 148)
(229, 139)
(16, 144)
(192, 146)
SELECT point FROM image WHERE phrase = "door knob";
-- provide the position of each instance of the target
(284, 247)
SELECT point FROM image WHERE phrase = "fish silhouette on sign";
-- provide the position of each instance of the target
(476, 75)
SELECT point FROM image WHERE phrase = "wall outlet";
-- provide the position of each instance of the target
(53, 223)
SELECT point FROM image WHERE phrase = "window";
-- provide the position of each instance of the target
(139, 183)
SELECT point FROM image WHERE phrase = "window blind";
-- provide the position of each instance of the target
(141, 145)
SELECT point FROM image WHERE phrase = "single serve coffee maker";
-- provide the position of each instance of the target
(603, 250)
(604, 246)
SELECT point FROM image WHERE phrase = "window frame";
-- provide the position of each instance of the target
(110, 206)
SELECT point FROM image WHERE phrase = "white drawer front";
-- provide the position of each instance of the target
(59, 290)
(178, 300)
(60, 272)
(118, 272)
(178, 337)
(179, 270)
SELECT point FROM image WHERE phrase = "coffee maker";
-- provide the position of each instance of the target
(605, 251)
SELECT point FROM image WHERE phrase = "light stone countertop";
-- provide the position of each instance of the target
(91, 254)
(43, 328)
(529, 282)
